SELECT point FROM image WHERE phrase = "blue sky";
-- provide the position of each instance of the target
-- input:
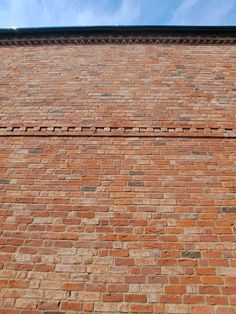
(39, 13)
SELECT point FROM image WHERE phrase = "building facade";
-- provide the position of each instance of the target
(118, 170)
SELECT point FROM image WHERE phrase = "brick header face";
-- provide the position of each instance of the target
(117, 178)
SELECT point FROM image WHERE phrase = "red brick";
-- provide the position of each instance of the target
(74, 306)
(88, 307)
(217, 300)
(158, 308)
(224, 309)
(124, 261)
(135, 298)
(117, 169)
(18, 283)
(212, 280)
(120, 253)
(73, 286)
(170, 299)
(3, 283)
(26, 304)
(7, 311)
(48, 305)
(175, 289)
(109, 297)
(44, 267)
(141, 308)
(205, 271)
(190, 299)
(202, 309)
(135, 279)
(118, 288)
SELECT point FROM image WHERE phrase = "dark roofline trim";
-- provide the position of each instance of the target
(121, 30)
(119, 35)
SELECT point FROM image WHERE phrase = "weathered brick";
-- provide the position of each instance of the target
(141, 308)
(26, 303)
(177, 308)
(229, 210)
(4, 181)
(48, 305)
(136, 183)
(88, 307)
(73, 286)
(225, 309)
(136, 298)
(136, 173)
(74, 306)
(200, 309)
(109, 297)
(191, 254)
(88, 188)
(124, 201)
(54, 312)
(35, 151)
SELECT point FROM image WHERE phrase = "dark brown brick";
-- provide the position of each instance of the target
(199, 153)
(136, 183)
(191, 254)
(4, 181)
(136, 173)
(160, 143)
(229, 210)
(88, 188)
(185, 118)
(36, 151)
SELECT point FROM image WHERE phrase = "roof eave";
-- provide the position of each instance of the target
(151, 30)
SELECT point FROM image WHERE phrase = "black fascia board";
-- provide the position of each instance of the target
(119, 31)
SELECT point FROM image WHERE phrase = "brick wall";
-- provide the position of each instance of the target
(117, 179)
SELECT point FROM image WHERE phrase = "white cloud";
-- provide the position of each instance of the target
(202, 12)
(181, 14)
(36, 13)
(29, 13)
(217, 13)
(129, 12)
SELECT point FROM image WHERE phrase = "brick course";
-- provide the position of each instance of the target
(118, 224)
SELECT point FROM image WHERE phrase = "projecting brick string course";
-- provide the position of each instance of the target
(117, 178)
(118, 131)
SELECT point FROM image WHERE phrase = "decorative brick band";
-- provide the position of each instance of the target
(117, 131)
(118, 40)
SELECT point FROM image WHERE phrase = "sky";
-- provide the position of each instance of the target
(45, 13)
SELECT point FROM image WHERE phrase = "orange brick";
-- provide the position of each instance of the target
(175, 289)
(117, 173)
